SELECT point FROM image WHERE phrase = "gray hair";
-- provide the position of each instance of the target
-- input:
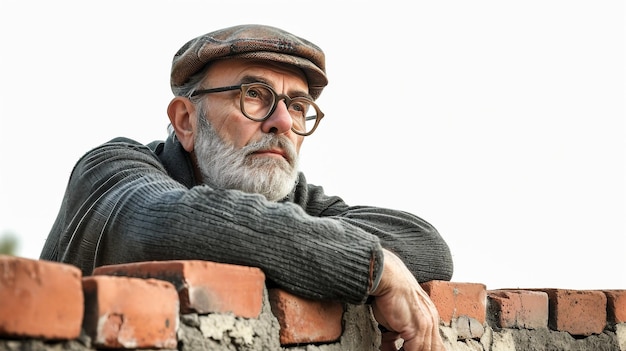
(192, 84)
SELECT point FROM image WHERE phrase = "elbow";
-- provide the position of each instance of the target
(444, 268)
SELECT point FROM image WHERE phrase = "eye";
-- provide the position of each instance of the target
(253, 92)
(299, 106)
(298, 110)
(259, 94)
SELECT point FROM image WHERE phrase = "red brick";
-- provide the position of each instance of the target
(520, 309)
(578, 312)
(130, 313)
(616, 306)
(457, 299)
(306, 321)
(203, 287)
(40, 299)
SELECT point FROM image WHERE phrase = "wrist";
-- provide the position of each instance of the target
(377, 264)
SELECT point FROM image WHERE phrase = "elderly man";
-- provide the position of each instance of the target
(225, 186)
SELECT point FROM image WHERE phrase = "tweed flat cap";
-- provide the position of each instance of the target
(257, 42)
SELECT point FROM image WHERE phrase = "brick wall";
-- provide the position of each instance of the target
(198, 305)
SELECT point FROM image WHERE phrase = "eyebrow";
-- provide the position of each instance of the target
(256, 79)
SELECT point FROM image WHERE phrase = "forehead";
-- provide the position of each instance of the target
(232, 70)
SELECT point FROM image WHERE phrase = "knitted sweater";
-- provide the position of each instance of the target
(128, 202)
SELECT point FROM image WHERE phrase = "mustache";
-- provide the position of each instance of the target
(272, 141)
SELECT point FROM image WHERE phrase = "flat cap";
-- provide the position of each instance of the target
(251, 41)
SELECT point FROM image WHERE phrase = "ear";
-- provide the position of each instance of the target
(182, 114)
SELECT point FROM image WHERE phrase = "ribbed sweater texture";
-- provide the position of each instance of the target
(128, 202)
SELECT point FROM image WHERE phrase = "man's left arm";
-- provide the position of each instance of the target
(418, 244)
(415, 241)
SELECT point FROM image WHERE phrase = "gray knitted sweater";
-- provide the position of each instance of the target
(127, 202)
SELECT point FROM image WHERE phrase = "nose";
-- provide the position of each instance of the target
(279, 121)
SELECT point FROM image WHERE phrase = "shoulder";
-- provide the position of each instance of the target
(122, 144)
(314, 200)
(116, 154)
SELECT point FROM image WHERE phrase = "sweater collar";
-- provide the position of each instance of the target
(176, 160)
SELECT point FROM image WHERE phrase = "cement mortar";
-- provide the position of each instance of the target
(229, 333)
(225, 332)
(547, 340)
(620, 332)
(532, 340)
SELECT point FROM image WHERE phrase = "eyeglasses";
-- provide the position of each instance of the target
(258, 101)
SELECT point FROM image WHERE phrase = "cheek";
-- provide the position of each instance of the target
(298, 142)
(232, 127)
(238, 131)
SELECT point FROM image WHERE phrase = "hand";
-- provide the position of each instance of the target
(404, 308)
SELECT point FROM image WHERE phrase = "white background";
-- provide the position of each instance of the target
(500, 122)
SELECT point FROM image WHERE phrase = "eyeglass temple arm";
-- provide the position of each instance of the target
(216, 90)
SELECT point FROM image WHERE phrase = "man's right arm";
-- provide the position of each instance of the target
(121, 206)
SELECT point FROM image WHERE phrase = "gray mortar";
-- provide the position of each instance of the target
(225, 332)
(229, 333)
(529, 340)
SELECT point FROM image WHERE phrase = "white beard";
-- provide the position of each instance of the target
(223, 166)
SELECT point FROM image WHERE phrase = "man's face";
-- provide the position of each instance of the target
(224, 113)
(235, 152)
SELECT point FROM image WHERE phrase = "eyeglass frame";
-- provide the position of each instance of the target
(277, 98)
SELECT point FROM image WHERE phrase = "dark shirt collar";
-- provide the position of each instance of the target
(175, 159)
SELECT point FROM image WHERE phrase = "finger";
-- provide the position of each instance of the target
(421, 342)
(433, 343)
(437, 341)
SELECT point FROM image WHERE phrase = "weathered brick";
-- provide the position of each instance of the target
(130, 313)
(203, 286)
(458, 299)
(578, 312)
(520, 309)
(40, 299)
(616, 306)
(306, 321)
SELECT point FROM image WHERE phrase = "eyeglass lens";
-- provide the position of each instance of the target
(258, 102)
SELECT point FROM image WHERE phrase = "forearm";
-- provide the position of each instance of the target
(129, 210)
(312, 257)
(415, 241)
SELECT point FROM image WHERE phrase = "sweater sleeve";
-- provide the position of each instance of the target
(121, 206)
(415, 241)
